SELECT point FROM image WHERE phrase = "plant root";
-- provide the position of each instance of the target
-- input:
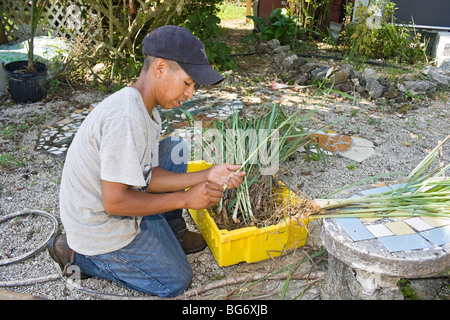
(303, 210)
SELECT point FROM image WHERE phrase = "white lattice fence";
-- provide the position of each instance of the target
(68, 19)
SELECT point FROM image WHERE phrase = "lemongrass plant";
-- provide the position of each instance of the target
(259, 146)
(425, 192)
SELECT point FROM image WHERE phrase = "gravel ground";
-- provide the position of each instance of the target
(30, 179)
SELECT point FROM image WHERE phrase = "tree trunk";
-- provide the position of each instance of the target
(3, 38)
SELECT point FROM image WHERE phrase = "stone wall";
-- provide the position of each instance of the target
(292, 68)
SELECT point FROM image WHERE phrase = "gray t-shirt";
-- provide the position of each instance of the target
(117, 142)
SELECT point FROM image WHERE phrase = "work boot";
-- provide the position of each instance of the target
(191, 242)
(60, 252)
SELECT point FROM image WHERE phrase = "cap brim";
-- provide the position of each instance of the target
(202, 74)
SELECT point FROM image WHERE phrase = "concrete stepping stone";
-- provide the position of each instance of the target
(350, 147)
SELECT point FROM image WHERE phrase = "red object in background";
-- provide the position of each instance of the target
(267, 6)
(335, 15)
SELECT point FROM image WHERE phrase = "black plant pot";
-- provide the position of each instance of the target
(26, 87)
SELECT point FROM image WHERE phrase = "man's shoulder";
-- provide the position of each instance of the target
(122, 98)
(125, 103)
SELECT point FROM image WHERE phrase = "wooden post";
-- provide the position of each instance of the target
(249, 9)
(110, 18)
(3, 38)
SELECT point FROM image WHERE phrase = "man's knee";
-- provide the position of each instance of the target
(173, 285)
(182, 283)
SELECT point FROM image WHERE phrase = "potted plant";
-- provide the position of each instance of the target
(27, 79)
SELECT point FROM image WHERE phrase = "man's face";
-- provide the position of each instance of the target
(176, 88)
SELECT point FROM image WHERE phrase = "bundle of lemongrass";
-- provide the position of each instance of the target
(425, 192)
(259, 146)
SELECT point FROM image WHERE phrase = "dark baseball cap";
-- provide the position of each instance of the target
(178, 44)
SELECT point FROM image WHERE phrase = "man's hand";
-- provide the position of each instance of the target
(224, 174)
(204, 195)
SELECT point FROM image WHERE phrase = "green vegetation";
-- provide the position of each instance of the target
(205, 26)
(16, 156)
(361, 39)
(231, 11)
(280, 26)
(406, 289)
(11, 160)
(383, 38)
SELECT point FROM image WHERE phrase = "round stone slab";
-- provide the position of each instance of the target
(371, 255)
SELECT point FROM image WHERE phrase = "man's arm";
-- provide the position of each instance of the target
(167, 181)
(163, 193)
(221, 174)
(120, 199)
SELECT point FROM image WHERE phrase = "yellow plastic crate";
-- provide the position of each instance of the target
(250, 244)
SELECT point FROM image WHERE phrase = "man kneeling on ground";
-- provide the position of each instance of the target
(122, 190)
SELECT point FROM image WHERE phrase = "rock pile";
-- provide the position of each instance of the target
(291, 68)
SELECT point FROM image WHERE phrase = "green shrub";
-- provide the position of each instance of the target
(205, 26)
(382, 38)
(281, 26)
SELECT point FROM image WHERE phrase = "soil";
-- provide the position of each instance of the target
(265, 209)
(24, 69)
(30, 179)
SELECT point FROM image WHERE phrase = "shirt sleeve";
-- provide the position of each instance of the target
(122, 150)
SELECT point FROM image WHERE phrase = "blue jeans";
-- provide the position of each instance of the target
(173, 156)
(154, 261)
